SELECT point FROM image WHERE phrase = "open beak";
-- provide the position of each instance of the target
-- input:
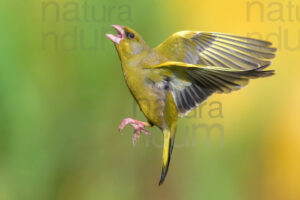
(120, 34)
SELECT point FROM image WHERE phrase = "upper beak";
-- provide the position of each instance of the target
(120, 34)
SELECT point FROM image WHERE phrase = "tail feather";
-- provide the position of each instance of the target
(167, 152)
(170, 119)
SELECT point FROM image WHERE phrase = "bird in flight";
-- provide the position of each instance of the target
(175, 77)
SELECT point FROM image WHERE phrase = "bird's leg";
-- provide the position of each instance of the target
(139, 127)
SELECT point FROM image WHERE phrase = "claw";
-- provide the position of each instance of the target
(139, 127)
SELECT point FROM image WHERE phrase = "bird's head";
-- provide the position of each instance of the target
(128, 42)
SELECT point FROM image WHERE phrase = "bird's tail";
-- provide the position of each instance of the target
(167, 151)
(170, 118)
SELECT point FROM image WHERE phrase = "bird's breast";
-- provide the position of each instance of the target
(150, 98)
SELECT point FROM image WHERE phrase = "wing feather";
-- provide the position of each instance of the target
(217, 49)
(204, 81)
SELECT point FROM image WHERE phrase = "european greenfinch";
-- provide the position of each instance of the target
(173, 78)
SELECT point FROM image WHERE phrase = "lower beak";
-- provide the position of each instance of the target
(120, 34)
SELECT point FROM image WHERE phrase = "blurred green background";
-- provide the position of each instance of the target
(63, 95)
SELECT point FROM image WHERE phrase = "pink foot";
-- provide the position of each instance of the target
(138, 126)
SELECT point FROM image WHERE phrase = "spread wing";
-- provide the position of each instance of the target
(217, 49)
(192, 84)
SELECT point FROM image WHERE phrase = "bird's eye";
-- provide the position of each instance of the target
(131, 35)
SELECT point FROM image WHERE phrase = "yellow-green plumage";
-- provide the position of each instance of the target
(170, 80)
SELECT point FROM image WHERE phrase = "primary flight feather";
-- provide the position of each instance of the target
(175, 77)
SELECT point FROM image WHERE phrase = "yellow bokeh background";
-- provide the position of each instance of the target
(60, 108)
